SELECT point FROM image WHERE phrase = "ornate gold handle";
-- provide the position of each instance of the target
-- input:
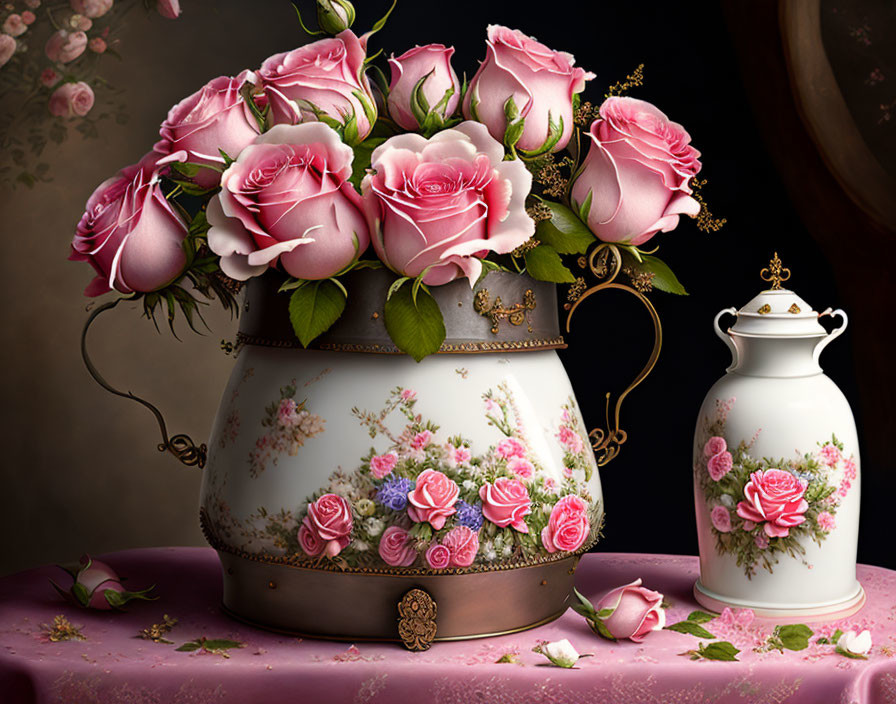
(605, 262)
(180, 445)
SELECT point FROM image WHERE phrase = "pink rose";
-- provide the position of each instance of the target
(80, 22)
(287, 197)
(329, 519)
(830, 455)
(438, 556)
(91, 8)
(510, 447)
(432, 499)
(421, 440)
(28, 17)
(636, 611)
(97, 45)
(214, 118)
(463, 544)
(825, 521)
(71, 100)
(396, 547)
(521, 467)
(325, 77)
(721, 519)
(714, 446)
(719, 465)
(7, 48)
(381, 465)
(571, 439)
(14, 25)
(432, 65)
(540, 81)
(64, 46)
(505, 502)
(408, 394)
(568, 526)
(169, 9)
(49, 77)
(636, 173)
(130, 234)
(435, 205)
(761, 540)
(775, 498)
(460, 455)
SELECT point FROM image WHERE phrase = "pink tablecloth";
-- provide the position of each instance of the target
(112, 666)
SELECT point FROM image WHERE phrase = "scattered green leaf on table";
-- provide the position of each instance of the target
(720, 650)
(691, 628)
(794, 636)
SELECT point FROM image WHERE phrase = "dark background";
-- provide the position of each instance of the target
(693, 74)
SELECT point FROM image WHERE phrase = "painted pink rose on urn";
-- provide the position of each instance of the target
(430, 64)
(774, 498)
(71, 100)
(327, 526)
(130, 234)
(714, 446)
(719, 465)
(463, 545)
(541, 83)
(438, 556)
(381, 465)
(636, 611)
(435, 205)
(396, 547)
(505, 503)
(287, 199)
(433, 498)
(324, 78)
(568, 525)
(636, 173)
(214, 119)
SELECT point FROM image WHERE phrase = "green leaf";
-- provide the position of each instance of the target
(79, 591)
(836, 636)
(564, 231)
(585, 209)
(691, 628)
(415, 327)
(361, 162)
(599, 627)
(488, 267)
(845, 653)
(398, 283)
(307, 31)
(314, 308)
(795, 636)
(543, 263)
(700, 617)
(582, 604)
(419, 104)
(722, 650)
(380, 23)
(663, 278)
(189, 647)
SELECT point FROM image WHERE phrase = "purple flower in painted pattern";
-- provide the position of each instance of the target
(469, 515)
(393, 493)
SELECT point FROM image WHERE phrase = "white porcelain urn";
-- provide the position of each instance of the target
(776, 468)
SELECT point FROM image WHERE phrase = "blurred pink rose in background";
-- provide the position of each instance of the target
(91, 8)
(326, 76)
(432, 65)
(130, 234)
(170, 9)
(287, 198)
(14, 25)
(774, 498)
(80, 22)
(568, 525)
(71, 100)
(636, 611)
(213, 118)
(636, 173)
(7, 48)
(64, 46)
(435, 205)
(49, 77)
(28, 17)
(97, 45)
(541, 82)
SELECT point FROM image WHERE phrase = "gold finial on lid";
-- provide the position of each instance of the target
(775, 273)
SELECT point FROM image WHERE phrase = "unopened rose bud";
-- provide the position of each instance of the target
(335, 16)
(96, 586)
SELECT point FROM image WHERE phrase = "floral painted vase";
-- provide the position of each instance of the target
(776, 468)
(339, 479)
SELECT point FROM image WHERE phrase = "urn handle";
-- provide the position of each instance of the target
(180, 445)
(724, 336)
(605, 262)
(833, 334)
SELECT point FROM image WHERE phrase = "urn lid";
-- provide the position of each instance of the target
(777, 312)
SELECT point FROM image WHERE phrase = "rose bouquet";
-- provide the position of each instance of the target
(305, 164)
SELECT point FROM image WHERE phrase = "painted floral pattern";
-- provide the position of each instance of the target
(761, 508)
(289, 425)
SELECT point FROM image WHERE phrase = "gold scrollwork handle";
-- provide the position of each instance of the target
(180, 445)
(606, 442)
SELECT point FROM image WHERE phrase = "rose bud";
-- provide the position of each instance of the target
(215, 118)
(95, 585)
(71, 100)
(287, 198)
(7, 48)
(634, 181)
(321, 80)
(635, 611)
(561, 653)
(64, 46)
(335, 16)
(539, 82)
(91, 8)
(435, 206)
(130, 234)
(423, 83)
